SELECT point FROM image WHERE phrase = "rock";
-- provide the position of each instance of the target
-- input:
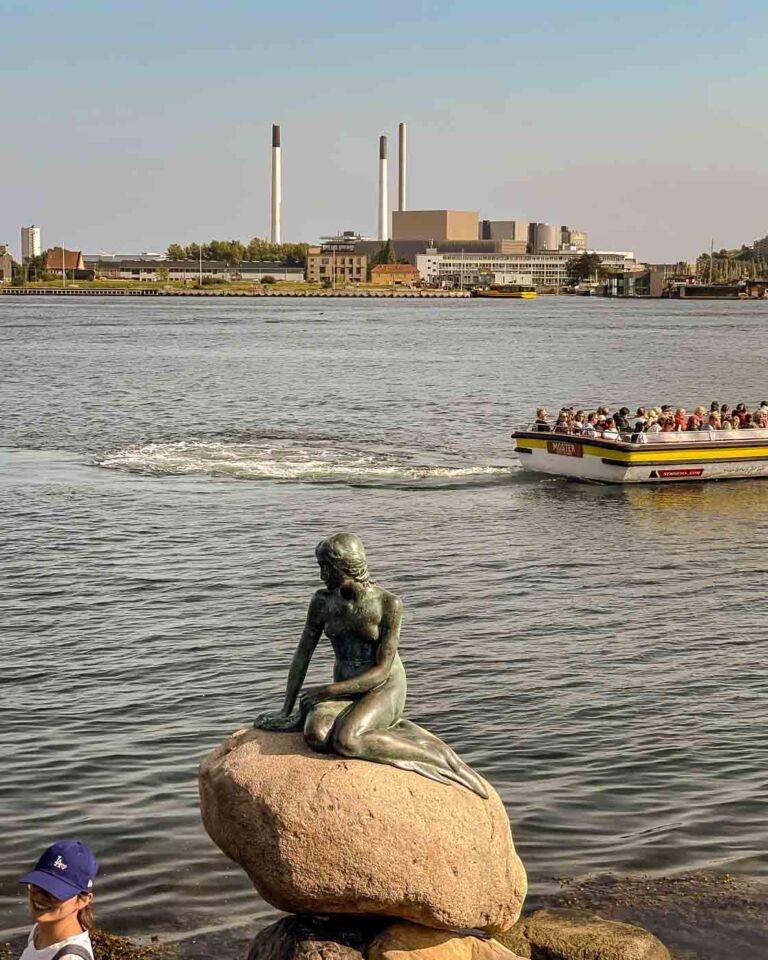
(562, 934)
(309, 937)
(409, 941)
(318, 833)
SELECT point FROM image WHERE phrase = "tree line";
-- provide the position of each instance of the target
(729, 266)
(234, 252)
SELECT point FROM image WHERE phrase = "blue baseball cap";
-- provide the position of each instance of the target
(65, 869)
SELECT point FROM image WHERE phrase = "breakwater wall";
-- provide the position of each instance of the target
(118, 292)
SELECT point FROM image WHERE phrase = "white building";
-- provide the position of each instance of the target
(545, 269)
(30, 242)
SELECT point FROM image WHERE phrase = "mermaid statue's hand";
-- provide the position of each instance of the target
(279, 722)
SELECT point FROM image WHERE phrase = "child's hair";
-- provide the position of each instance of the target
(85, 916)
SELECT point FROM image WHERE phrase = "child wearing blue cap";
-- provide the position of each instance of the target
(60, 891)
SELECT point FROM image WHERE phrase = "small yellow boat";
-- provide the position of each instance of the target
(517, 291)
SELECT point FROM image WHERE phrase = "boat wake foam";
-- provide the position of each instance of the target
(305, 461)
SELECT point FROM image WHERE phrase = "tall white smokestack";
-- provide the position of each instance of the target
(276, 184)
(402, 183)
(383, 205)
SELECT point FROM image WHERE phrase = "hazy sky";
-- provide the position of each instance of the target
(126, 126)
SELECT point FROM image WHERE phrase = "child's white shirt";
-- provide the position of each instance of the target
(48, 953)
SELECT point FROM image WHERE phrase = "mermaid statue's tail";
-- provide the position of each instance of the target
(446, 767)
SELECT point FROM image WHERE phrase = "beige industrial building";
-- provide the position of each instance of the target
(435, 225)
(336, 265)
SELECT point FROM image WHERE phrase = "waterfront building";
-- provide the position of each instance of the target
(435, 225)
(545, 270)
(30, 242)
(154, 270)
(58, 261)
(395, 275)
(760, 247)
(6, 265)
(336, 263)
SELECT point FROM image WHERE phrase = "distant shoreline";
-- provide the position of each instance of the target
(279, 292)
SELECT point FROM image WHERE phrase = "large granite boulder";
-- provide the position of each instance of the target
(322, 834)
(564, 934)
(408, 941)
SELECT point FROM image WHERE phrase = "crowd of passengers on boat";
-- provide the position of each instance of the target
(647, 421)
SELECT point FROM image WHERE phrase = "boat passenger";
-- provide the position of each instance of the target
(653, 425)
(726, 424)
(700, 415)
(714, 407)
(668, 424)
(541, 424)
(725, 411)
(579, 419)
(641, 416)
(638, 434)
(713, 421)
(621, 421)
(609, 431)
(680, 421)
(562, 425)
(590, 426)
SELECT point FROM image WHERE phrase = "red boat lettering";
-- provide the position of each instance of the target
(684, 472)
(565, 448)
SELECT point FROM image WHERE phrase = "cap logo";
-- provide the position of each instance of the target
(59, 863)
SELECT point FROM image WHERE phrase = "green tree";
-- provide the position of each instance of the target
(175, 251)
(581, 268)
(385, 255)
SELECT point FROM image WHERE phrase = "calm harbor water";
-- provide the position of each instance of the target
(165, 472)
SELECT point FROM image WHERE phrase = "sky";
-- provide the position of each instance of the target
(129, 126)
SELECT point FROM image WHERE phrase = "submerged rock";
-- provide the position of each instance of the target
(408, 941)
(318, 833)
(309, 937)
(563, 934)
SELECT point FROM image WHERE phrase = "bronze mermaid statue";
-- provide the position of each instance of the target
(360, 714)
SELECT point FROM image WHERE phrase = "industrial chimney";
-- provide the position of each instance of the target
(402, 181)
(276, 184)
(383, 212)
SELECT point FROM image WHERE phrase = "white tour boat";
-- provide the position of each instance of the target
(663, 458)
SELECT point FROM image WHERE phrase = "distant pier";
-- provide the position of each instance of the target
(117, 292)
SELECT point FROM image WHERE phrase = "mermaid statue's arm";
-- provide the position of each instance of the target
(286, 719)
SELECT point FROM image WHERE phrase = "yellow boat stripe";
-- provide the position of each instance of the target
(631, 457)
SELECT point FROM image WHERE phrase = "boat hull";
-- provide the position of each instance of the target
(605, 461)
(516, 295)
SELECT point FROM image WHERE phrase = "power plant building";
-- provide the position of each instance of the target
(517, 230)
(435, 225)
(30, 242)
(545, 237)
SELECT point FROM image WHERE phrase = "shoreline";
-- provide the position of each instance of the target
(699, 915)
(282, 292)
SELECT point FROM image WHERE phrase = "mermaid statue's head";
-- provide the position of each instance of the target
(344, 555)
